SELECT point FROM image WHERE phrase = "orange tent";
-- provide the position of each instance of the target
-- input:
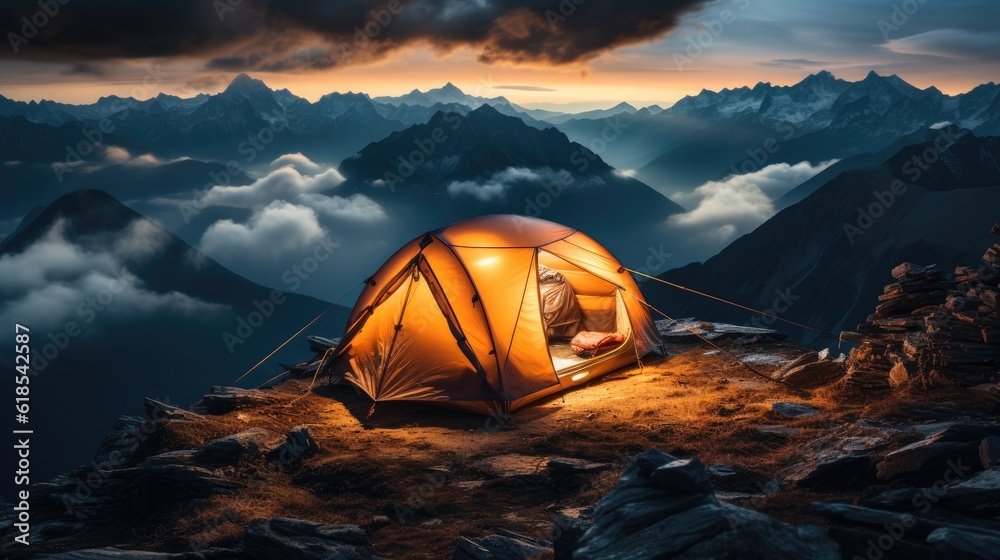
(480, 315)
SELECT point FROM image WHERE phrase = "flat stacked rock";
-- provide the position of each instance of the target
(931, 328)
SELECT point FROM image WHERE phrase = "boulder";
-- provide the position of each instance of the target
(794, 410)
(298, 445)
(978, 495)
(913, 527)
(664, 507)
(568, 531)
(844, 458)
(179, 457)
(778, 431)
(158, 411)
(296, 539)
(721, 471)
(754, 535)
(945, 446)
(909, 271)
(223, 400)
(812, 375)
(561, 466)
(512, 464)
(130, 438)
(989, 452)
(505, 545)
(249, 442)
(969, 545)
(187, 480)
(868, 543)
(566, 472)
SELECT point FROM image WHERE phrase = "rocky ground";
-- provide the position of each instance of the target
(689, 456)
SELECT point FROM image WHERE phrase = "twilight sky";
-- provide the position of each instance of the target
(540, 53)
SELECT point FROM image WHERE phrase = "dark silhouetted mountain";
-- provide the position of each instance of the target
(22, 140)
(482, 141)
(244, 88)
(630, 141)
(486, 162)
(860, 161)
(156, 329)
(821, 261)
(723, 149)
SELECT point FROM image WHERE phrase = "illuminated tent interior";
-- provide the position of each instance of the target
(492, 313)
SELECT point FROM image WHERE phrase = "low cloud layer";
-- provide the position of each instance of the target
(278, 229)
(300, 163)
(497, 185)
(297, 180)
(956, 44)
(283, 183)
(356, 207)
(56, 280)
(721, 210)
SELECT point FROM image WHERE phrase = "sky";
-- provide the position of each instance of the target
(569, 54)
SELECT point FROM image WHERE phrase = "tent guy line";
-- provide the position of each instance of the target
(297, 333)
(822, 333)
(712, 344)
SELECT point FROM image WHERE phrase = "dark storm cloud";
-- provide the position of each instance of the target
(104, 29)
(286, 34)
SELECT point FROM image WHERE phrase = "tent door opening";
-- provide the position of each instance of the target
(584, 316)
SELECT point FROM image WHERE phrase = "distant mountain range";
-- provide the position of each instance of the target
(714, 134)
(824, 260)
(224, 126)
(701, 137)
